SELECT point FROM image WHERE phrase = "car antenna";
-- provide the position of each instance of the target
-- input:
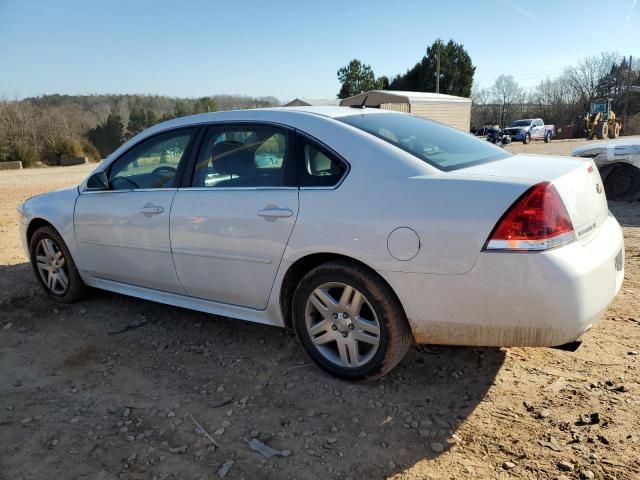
(362, 105)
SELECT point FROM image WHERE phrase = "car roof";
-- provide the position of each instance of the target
(281, 115)
(265, 114)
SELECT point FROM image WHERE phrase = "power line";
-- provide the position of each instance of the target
(526, 76)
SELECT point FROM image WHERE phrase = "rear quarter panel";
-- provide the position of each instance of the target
(452, 215)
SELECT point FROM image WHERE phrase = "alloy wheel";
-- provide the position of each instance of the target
(342, 325)
(52, 266)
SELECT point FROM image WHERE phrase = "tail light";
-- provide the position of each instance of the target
(538, 220)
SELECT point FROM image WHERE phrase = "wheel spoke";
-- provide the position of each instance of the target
(43, 266)
(63, 280)
(326, 337)
(352, 348)
(61, 262)
(345, 298)
(366, 338)
(320, 327)
(367, 326)
(49, 248)
(342, 351)
(356, 304)
(51, 280)
(323, 302)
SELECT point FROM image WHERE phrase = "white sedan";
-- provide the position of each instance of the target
(364, 230)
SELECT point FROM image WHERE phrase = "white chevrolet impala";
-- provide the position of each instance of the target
(364, 230)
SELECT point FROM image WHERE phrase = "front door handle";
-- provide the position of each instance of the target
(150, 209)
(272, 213)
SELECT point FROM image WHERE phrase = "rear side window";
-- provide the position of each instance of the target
(317, 167)
(443, 147)
(245, 156)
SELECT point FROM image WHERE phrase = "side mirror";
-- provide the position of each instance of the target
(98, 181)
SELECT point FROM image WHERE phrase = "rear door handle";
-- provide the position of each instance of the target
(273, 213)
(150, 209)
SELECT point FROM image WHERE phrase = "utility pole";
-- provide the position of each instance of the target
(626, 100)
(438, 69)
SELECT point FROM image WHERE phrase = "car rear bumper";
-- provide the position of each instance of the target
(517, 299)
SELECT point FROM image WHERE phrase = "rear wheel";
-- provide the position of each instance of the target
(54, 267)
(614, 131)
(623, 184)
(349, 321)
(527, 139)
(547, 137)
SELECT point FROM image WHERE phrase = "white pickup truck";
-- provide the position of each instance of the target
(529, 129)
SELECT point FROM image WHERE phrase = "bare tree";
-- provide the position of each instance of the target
(505, 92)
(585, 76)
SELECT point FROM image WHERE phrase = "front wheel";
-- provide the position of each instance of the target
(349, 321)
(602, 130)
(54, 267)
(527, 139)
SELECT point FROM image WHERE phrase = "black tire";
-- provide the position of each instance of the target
(602, 130)
(395, 334)
(76, 289)
(547, 137)
(614, 132)
(623, 184)
(527, 139)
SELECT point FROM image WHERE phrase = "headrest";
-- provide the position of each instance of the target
(232, 158)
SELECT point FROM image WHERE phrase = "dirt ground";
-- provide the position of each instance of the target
(110, 388)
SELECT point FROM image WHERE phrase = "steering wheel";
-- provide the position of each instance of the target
(128, 180)
(163, 173)
(163, 168)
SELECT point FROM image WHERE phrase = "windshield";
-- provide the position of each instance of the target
(520, 123)
(443, 147)
(598, 107)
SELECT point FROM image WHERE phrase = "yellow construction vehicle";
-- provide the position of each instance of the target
(601, 121)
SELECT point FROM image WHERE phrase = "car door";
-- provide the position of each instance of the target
(538, 129)
(122, 232)
(231, 222)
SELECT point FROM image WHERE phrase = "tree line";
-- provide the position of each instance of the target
(565, 99)
(48, 128)
(562, 100)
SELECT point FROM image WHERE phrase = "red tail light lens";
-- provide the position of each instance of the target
(536, 221)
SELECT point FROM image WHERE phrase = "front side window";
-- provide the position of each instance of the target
(438, 145)
(153, 163)
(244, 156)
(318, 167)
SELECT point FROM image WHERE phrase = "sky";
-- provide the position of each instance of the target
(285, 48)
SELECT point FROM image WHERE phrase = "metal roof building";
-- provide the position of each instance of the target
(314, 102)
(447, 109)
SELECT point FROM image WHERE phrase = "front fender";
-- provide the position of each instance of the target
(55, 208)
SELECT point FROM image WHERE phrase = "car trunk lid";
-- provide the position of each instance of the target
(577, 180)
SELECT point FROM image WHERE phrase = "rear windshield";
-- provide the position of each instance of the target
(443, 147)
